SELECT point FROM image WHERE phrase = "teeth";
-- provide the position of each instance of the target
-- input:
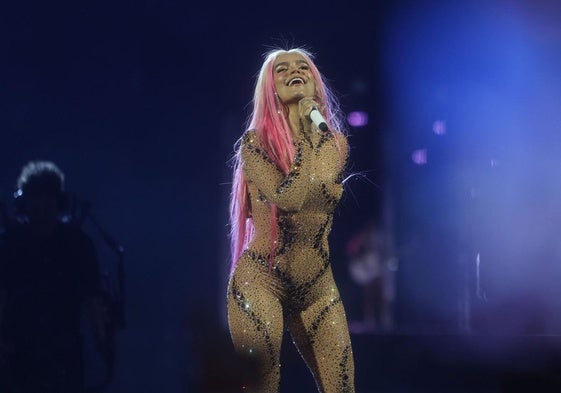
(295, 80)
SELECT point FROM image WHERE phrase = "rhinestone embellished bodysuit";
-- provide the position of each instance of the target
(294, 287)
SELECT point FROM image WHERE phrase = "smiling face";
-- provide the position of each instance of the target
(293, 78)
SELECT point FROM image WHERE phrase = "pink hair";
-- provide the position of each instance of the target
(274, 133)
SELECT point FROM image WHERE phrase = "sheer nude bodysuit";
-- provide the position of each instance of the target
(299, 290)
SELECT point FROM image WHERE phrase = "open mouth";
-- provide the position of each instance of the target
(296, 81)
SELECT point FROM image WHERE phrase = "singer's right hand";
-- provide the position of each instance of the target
(305, 106)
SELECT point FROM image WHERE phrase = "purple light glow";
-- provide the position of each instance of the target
(358, 119)
(439, 127)
(419, 156)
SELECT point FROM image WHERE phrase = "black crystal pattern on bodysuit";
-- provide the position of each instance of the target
(287, 234)
(344, 369)
(340, 177)
(242, 303)
(294, 173)
(257, 257)
(302, 289)
(321, 232)
(325, 136)
(321, 317)
(261, 197)
(298, 292)
(248, 142)
(329, 199)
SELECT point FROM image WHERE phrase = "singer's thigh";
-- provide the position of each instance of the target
(256, 326)
(321, 334)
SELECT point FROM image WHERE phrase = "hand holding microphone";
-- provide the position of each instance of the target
(318, 119)
(309, 109)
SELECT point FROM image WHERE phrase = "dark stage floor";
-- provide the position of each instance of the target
(442, 363)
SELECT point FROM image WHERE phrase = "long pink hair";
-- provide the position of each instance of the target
(274, 133)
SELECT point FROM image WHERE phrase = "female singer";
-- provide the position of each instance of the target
(287, 183)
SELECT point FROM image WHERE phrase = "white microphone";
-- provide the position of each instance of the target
(318, 119)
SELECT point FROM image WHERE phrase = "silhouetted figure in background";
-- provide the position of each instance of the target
(372, 265)
(48, 278)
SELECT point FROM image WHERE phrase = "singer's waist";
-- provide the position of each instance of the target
(302, 228)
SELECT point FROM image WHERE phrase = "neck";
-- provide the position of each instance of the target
(294, 121)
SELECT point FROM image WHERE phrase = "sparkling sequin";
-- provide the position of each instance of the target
(325, 136)
(257, 322)
(299, 292)
(294, 173)
(321, 317)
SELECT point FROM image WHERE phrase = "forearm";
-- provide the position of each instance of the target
(289, 191)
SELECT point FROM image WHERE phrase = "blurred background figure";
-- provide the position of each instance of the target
(372, 265)
(48, 278)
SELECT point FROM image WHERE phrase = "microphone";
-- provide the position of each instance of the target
(318, 119)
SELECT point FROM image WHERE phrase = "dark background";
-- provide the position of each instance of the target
(140, 104)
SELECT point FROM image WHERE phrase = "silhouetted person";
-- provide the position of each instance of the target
(372, 265)
(48, 277)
